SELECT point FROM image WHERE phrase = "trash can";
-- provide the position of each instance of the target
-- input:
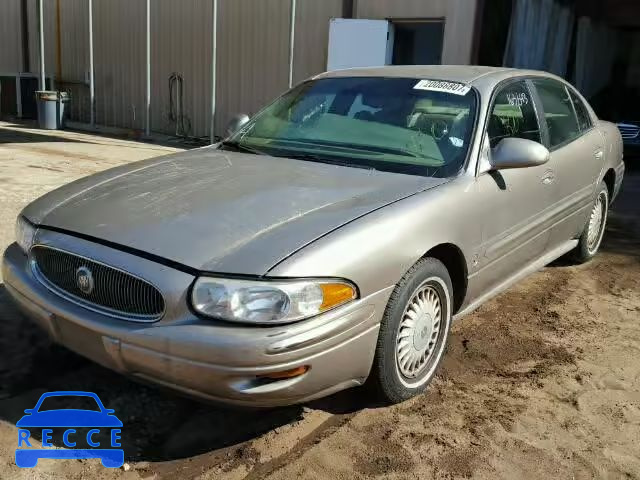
(51, 106)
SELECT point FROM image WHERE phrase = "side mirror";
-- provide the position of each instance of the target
(518, 153)
(236, 123)
(29, 411)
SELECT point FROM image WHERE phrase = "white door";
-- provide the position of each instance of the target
(359, 43)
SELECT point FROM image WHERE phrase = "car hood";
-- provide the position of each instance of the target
(220, 211)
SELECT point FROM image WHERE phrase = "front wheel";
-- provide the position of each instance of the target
(591, 237)
(413, 332)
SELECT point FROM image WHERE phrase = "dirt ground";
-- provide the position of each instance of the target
(542, 382)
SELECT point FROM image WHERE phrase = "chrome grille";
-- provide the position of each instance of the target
(113, 292)
(629, 131)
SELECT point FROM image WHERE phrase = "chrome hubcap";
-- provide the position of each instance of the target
(596, 222)
(418, 331)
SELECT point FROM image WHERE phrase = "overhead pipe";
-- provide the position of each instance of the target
(292, 40)
(26, 54)
(43, 85)
(147, 120)
(58, 42)
(92, 84)
(214, 59)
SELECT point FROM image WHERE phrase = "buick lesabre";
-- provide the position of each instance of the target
(329, 241)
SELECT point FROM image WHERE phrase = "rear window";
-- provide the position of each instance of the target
(559, 113)
(584, 119)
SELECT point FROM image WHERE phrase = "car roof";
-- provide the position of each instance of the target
(484, 78)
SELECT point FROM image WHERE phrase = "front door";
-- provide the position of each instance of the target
(515, 201)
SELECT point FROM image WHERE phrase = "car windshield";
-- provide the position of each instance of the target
(402, 125)
(69, 402)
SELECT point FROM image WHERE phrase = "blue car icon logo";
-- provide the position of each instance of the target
(97, 419)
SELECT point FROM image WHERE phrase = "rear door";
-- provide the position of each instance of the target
(514, 231)
(576, 157)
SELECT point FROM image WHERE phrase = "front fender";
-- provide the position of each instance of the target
(613, 151)
(376, 250)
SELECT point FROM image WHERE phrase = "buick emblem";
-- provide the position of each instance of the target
(84, 280)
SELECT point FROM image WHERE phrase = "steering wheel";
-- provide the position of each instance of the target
(439, 129)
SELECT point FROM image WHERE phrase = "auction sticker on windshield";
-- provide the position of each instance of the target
(68, 431)
(442, 86)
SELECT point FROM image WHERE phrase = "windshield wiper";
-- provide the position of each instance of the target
(241, 148)
(316, 158)
(347, 147)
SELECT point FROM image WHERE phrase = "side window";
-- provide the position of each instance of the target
(584, 119)
(558, 112)
(513, 115)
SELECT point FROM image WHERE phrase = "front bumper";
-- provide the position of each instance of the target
(214, 360)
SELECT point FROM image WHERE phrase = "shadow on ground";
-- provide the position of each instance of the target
(159, 425)
(23, 136)
(28, 132)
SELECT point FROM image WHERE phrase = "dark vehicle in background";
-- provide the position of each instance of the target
(621, 106)
(630, 131)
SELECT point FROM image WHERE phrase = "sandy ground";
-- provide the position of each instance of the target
(542, 382)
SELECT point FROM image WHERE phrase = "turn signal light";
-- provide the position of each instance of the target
(334, 294)
(294, 372)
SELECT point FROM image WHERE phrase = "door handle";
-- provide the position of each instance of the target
(549, 177)
(599, 154)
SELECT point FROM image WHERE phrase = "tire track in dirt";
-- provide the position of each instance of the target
(488, 357)
(326, 429)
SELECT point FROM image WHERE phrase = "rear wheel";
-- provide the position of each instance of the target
(591, 237)
(414, 331)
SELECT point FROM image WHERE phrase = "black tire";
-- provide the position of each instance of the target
(430, 278)
(587, 248)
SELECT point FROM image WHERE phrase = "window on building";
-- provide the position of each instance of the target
(558, 112)
(513, 115)
(418, 43)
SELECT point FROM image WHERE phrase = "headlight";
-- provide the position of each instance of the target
(25, 232)
(268, 302)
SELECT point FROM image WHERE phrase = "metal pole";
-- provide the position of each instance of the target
(147, 125)
(92, 85)
(43, 85)
(214, 50)
(58, 42)
(19, 95)
(292, 40)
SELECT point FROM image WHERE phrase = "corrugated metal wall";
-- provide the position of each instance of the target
(74, 38)
(459, 18)
(253, 49)
(49, 9)
(10, 37)
(120, 39)
(312, 36)
(253, 55)
(181, 44)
